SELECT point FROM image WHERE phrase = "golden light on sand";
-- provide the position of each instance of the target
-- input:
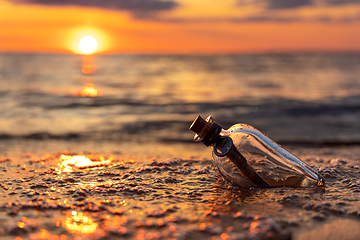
(88, 91)
(70, 163)
(78, 223)
(88, 44)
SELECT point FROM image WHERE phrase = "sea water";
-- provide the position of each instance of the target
(294, 98)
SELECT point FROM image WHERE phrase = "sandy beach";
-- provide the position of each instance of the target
(130, 194)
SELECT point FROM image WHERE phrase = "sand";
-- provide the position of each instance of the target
(165, 191)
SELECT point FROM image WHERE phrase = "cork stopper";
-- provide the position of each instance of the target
(207, 130)
(198, 124)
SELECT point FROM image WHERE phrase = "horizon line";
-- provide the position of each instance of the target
(310, 51)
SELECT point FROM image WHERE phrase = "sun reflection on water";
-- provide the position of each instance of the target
(70, 163)
(88, 66)
(88, 90)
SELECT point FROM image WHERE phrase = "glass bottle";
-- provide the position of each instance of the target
(248, 158)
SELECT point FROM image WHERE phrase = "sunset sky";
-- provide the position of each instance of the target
(180, 26)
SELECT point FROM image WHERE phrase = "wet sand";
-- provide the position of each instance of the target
(164, 191)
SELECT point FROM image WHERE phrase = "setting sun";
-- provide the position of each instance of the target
(88, 44)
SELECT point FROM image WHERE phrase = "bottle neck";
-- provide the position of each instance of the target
(207, 131)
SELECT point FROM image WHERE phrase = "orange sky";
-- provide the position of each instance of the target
(201, 26)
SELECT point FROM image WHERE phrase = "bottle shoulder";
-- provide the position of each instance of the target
(241, 128)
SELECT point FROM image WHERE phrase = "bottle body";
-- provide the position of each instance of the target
(275, 165)
(247, 158)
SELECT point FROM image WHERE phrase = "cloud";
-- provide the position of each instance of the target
(130, 5)
(340, 2)
(291, 4)
(276, 4)
(270, 11)
(287, 4)
(265, 19)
